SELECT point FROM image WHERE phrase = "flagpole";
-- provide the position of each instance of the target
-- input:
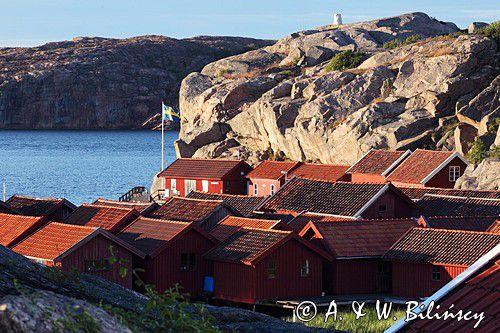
(162, 139)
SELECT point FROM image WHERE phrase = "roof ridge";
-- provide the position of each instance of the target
(23, 216)
(35, 198)
(161, 220)
(208, 159)
(456, 231)
(270, 230)
(248, 218)
(461, 217)
(71, 225)
(195, 199)
(122, 202)
(225, 195)
(105, 206)
(458, 197)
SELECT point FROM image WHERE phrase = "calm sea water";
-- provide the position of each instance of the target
(80, 165)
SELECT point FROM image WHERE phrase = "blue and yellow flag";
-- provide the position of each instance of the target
(168, 113)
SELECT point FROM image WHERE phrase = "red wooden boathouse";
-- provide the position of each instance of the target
(174, 252)
(208, 175)
(375, 165)
(85, 249)
(425, 259)
(255, 265)
(51, 208)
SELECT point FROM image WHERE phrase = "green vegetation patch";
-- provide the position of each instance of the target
(492, 31)
(395, 43)
(344, 60)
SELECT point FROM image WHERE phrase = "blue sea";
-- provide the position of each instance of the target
(80, 165)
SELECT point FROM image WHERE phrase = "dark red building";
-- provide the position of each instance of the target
(341, 199)
(357, 247)
(375, 165)
(429, 168)
(244, 204)
(205, 213)
(6, 209)
(256, 265)
(51, 208)
(174, 253)
(14, 228)
(206, 175)
(425, 259)
(84, 249)
(110, 218)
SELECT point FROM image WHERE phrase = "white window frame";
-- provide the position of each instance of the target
(453, 173)
(189, 181)
(255, 189)
(272, 189)
(304, 269)
(173, 184)
(204, 185)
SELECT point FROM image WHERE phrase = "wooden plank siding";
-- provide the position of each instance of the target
(98, 248)
(395, 206)
(441, 179)
(353, 276)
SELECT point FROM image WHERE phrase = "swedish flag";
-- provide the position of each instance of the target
(168, 113)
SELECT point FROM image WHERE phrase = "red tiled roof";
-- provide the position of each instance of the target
(471, 223)
(336, 198)
(272, 170)
(150, 235)
(36, 206)
(479, 294)
(13, 227)
(359, 238)
(436, 205)
(184, 209)
(420, 164)
(495, 227)
(231, 224)
(141, 207)
(246, 245)
(52, 240)
(299, 222)
(445, 247)
(193, 168)
(106, 217)
(327, 172)
(377, 161)
(419, 192)
(244, 204)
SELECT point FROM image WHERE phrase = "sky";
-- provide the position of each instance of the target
(34, 22)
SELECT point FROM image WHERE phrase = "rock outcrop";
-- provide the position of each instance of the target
(281, 101)
(34, 301)
(483, 177)
(93, 82)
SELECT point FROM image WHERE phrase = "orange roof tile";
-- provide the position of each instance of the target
(141, 207)
(14, 227)
(184, 209)
(419, 165)
(52, 240)
(272, 170)
(378, 162)
(244, 204)
(441, 246)
(359, 238)
(231, 224)
(328, 172)
(194, 168)
(106, 217)
(437, 205)
(471, 223)
(419, 192)
(299, 222)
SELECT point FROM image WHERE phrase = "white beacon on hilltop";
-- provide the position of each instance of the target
(337, 19)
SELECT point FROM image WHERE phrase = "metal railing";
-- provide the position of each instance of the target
(138, 190)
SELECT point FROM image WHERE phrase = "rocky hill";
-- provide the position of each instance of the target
(332, 93)
(90, 83)
(37, 299)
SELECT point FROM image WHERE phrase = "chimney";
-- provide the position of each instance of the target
(337, 19)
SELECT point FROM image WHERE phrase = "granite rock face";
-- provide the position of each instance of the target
(280, 101)
(483, 177)
(91, 82)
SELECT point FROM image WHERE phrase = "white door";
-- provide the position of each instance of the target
(204, 185)
(189, 185)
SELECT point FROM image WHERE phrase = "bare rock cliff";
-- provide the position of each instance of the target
(285, 101)
(92, 82)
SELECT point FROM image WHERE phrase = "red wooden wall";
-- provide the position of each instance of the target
(98, 248)
(60, 214)
(441, 179)
(264, 186)
(214, 185)
(235, 282)
(415, 280)
(395, 207)
(164, 270)
(352, 276)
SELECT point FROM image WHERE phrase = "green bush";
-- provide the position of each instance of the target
(492, 30)
(344, 60)
(478, 151)
(395, 43)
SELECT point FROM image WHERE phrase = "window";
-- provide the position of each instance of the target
(454, 173)
(189, 186)
(255, 189)
(272, 189)
(173, 184)
(96, 265)
(436, 273)
(304, 268)
(188, 261)
(271, 270)
(382, 208)
(204, 185)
